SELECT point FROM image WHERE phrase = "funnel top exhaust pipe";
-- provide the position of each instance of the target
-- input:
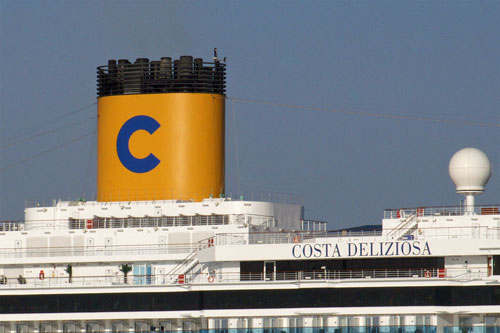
(164, 76)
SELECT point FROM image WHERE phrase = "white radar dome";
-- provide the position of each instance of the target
(470, 170)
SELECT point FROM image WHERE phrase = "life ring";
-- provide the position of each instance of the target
(41, 275)
(211, 279)
(427, 274)
(296, 239)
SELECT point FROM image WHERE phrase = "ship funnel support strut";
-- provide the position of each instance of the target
(160, 129)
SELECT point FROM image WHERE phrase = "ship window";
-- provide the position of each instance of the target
(342, 264)
(247, 299)
(117, 326)
(251, 270)
(272, 325)
(465, 321)
(144, 222)
(352, 324)
(142, 273)
(422, 324)
(188, 326)
(269, 270)
(252, 321)
(317, 324)
(22, 328)
(92, 328)
(167, 325)
(491, 323)
(398, 267)
(300, 323)
(266, 325)
(372, 324)
(496, 265)
(344, 324)
(69, 328)
(241, 323)
(292, 325)
(221, 325)
(141, 327)
(44, 328)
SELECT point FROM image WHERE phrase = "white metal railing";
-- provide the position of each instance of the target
(282, 237)
(11, 226)
(111, 250)
(312, 225)
(117, 280)
(243, 239)
(472, 232)
(399, 213)
(186, 264)
(261, 220)
(289, 237)
(139, 198)
(404, 227)
(148, 222)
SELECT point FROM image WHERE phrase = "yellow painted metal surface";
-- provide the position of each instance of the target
(160, 147)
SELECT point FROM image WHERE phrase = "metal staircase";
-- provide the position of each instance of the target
(179, 272)
(406, 227)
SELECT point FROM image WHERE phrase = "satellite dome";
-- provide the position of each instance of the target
(470, 170)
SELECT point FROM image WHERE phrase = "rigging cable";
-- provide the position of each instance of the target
(236, 157)
(35, 127)
(368, 114)
(52, 131)
(17, 138)
(92, 144)
(47, 151)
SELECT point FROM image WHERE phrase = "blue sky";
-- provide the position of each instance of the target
(365, 102)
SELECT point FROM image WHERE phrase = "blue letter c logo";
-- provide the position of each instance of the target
(137, 165)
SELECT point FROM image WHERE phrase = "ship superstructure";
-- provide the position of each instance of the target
(163, 249)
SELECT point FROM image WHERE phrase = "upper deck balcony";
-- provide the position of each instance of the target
(11, 226)
(398, 213)
(286, 210)
(420, 276)
(291, 237)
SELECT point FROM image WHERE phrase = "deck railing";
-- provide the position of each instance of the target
(290, 237)
(241, 239)
(163, 221)
(91, 200)
(173, 280)
(11, 226)
(111, 250)
(100, 328)
(399, 213)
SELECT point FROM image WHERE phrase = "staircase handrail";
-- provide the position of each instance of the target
(403, 224)
(184, 262)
